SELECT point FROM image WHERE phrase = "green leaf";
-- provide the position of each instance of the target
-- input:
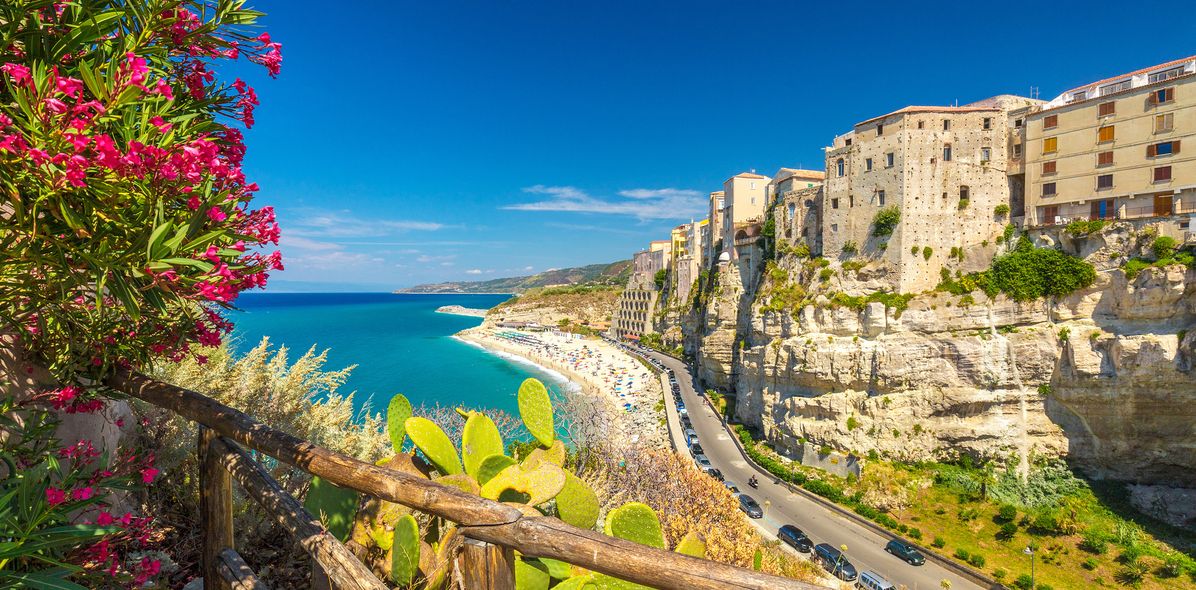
(479, 440)
(535, 408)
(434, 444)
(200, 264)
(492, 466)
(397, 413)
(40, 580)
(334, 506)
(155, 241)
(577, 504)
(585, 582)
(404, 559)
(557, 569)
(636, 522)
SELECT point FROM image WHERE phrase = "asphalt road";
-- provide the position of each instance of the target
(865, 547)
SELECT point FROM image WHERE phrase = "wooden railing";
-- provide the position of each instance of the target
(492, 531)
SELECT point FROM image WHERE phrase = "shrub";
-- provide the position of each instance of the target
(659, 278)
(961, 554)
(977, 560)
(1163, 247)
(1007, 512)
(853, 265)
(825, 274)
(927, 252)
(914, 534)
(1081, 227)
(999, 574)
(1044, 390)
(963, 203)
(1064, 334)
(1001, 210)
(852, 423)
(1046, 522)
(1134, 266)
(1024, 582)
(914, 250)
(1028, 273)
(850, 248)
(885, 221)
(1090, 564)
(1008, 530)
(938, 543)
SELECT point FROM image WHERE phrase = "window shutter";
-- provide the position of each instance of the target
(1153, 98)
(1151, 151)
(1175, 147)
(1170, 94)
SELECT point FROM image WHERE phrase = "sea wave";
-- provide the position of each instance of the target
(567, 384)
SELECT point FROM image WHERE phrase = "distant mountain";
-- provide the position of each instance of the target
(615, 273)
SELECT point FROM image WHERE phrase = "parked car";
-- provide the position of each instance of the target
(686, 422)
(682, 411)
(696, 449)
(749, 506)
(702, 461)
(906, 552)
(730, 485)
(874, 581)
(794, 537)
(833, 561)
(691, 436)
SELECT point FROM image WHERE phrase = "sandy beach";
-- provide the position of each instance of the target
(631, 391)
(462, 310)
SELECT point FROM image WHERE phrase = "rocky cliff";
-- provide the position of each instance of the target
(1102, 376)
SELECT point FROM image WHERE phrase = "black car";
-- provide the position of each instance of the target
(833, 561)
(686, 422)
(716, 474)
(749, 507)
(905, 552)
(696, 449)
(794, 537)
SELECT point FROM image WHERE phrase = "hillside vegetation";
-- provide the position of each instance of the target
(569, 307)
(613, 274)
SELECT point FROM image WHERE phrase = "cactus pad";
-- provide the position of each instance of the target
(559, 570)
(404, 560)
(540, 484)
(462, 482)
(585, 582)
(397, 413)
(335, 507)
(554, 454)
(535, 408)
(577, 504)
(479, 439)
(636, 522)
(434, 444)
(530, 574)
(693, 545)
(491, 466)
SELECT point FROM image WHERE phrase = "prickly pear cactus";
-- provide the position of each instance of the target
(397, 413)
(530, 574)
(539, 484)
(692, 544)
(492, 466)
(637, 522)
(577, 504)
(404, 560)
(335, 507)
(434, 444)
(479, 439)
(535, 408)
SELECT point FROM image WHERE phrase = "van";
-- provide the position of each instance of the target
(873, 581)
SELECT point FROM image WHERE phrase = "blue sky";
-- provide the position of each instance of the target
(409, 142)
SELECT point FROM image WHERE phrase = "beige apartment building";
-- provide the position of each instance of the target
(944, 168)
(715, 217)
(1112, 149)
(798, 216)
(745, 200)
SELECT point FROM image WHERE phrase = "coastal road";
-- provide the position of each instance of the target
(865, 547)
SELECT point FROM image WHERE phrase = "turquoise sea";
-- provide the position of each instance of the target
(398, 342)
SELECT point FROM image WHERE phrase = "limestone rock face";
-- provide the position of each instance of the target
(1100, 376)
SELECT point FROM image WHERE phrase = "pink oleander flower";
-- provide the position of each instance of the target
(56, 106)
(161, 124)
(215, 214)
(105, 518)
(83, 493)
(148, 474)
(163, 89)
(70, 87)
(55, 496)
(18, 73)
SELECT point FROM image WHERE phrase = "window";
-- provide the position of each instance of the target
(1108, 89)
(1106, 109)
(946, 152)
(1078, 96)
(1048, 167)
(1102, 209)
(1166, 75)
(1164, 204)
(964, 193)
(946, 124)
(1048, 189)
(1105, 134)
(1017, 150)
(986, 154)
(1104, 158)
(880, 129)
(1050, 121)
(1162, 149)
(921, 124)
(839, 166)
(1164, 123)
(847, 141)
(1104, 181)
(851, 200)
(1050, 145)
(889, 160)
(880, 197)
(988, 123)
(1163, 95)
(1162, 174)
(868, 164)
(1049, 213)
(834, 203)
(1017, 123)
(834, 227)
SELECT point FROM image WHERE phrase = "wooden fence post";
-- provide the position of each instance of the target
(487, 566)
(215, 510)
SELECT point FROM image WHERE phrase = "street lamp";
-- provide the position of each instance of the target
(1030, 551)
(842, 558)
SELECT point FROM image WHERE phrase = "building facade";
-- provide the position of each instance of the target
(798, 197)
(943, 168)
(717, 205)
(1112, 149)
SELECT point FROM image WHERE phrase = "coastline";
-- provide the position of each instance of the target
(640, 427)
(472, 312)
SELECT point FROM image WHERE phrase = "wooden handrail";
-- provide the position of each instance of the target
(235, 572)
(479, 518)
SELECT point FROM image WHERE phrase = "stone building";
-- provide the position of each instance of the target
(798, 197)
(1111, 149)
(714, 245)
(636, 305)
(943, 168)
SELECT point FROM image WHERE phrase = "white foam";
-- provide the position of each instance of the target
(557, 377)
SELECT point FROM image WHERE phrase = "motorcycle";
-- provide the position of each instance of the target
(753, 483)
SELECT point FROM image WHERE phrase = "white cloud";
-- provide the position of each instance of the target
(343, 224)
(426, 258)
(335, 259)
(528, 268)
(473, 271)
(642, 203)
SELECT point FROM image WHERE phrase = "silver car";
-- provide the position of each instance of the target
(702, 461)
(691, 437)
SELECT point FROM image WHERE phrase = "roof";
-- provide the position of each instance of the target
(932, 109)
(748, 175)
(785, 173)
(1139, 72)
